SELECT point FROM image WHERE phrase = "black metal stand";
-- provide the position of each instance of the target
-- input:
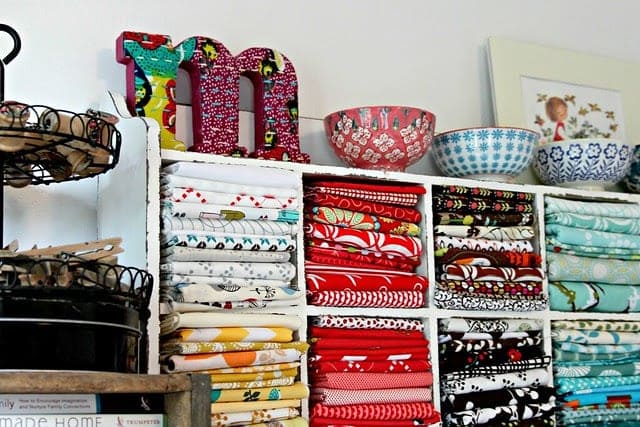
(42, 145)
(6, 60)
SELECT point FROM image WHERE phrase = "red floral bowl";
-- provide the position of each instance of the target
(380, 137)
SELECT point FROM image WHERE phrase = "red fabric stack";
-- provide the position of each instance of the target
(370, 371)
(362, 244)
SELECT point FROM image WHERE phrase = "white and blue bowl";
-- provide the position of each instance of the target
(632, 179)
(484, 153)
(588, 163)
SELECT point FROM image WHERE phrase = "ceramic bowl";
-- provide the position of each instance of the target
(484, 153)
(632, 178)
(588, 163)
(380, 137)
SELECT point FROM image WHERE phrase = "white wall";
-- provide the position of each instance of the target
(424, 53)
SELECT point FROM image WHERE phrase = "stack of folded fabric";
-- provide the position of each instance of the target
(593, 255)
(226, 261)
(485, 257)
(362, 244)
(597, 366)
(370, 371)
(227, 243)
(494, 372)
(252, 359)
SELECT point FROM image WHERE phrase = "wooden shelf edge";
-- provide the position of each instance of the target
(92, 382)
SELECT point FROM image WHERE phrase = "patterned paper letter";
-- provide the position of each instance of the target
(152, 67)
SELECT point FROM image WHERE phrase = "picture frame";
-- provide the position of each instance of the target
(512, 61)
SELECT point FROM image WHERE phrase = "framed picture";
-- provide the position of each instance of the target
(564, 94)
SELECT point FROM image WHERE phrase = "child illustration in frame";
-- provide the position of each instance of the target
(557, 111)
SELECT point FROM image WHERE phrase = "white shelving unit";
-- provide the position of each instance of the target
(149, 156)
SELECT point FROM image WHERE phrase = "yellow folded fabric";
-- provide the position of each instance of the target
(228, 359)
(291, 422)
(250, 384)
(269, 416)
(174, 321)
(295, 391)
(252, 376)
(233, 334)
(229, 407)
(220, 347)
(255, 368)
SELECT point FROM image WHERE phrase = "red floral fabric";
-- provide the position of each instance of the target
(343, 281)
(385, 366)
(323, 249)
(402, 213)
(360, 221)
(359, 354)
(402, 246)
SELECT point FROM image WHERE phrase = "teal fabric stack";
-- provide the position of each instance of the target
(593, 255)
(597, 372)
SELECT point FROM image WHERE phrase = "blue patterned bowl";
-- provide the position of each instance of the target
(632, 179)
(589, 163)
(484, 153)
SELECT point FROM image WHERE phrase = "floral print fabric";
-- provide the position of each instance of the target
(401, 246)
(483, 219)
(574, 268)
(596, 297)
(351, 225)
(401, 213)
(484, 248)
(361, 221)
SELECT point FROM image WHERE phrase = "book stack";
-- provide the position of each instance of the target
(55, 410)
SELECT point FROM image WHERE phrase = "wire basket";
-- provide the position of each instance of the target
(41, 145)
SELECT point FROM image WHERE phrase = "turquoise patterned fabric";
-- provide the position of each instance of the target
(594, 297)
(617, 210)
(580, 370)
(600, 416)
(586, 385)
(582, 336)
(572, 356)
(594, 222)
(597, 348)
(598, 424)
(598, 325)
(574, 268)
(580, 236)
(554, 245)
(602, 398)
